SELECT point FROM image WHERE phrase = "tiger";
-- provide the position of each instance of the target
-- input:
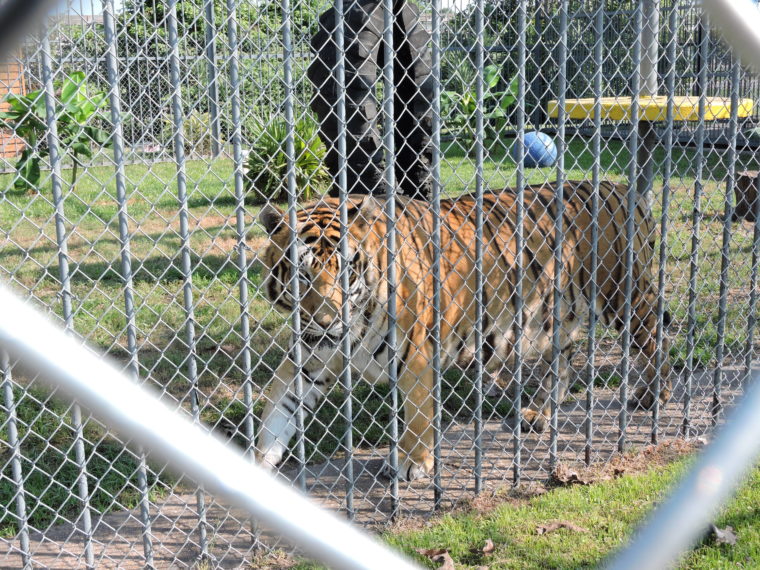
(318, 269)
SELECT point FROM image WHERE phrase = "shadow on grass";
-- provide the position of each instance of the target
(136, 238)
(205, 201)
(158, 269)
(161, 268)
(250, 200)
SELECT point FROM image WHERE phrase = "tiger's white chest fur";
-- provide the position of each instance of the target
(367, 356)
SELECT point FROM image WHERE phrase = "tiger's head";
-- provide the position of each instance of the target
(314, 257)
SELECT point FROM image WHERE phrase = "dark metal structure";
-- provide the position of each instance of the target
(364, 57)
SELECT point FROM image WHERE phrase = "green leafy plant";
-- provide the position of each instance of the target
(267, 165)
(77, 116)
(196, 128)
(458, 106)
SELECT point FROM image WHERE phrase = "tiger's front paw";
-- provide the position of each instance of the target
(409, 470)
(643, 398)
(270, 459)
(533, 420)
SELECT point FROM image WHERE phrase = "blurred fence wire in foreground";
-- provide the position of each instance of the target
(90, 379)
(684, 517)
(143, 141)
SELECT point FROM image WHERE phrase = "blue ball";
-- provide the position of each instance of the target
(540, 150)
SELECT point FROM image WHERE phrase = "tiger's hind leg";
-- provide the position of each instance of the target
(537, 415)
(644, 336)
(415, 456)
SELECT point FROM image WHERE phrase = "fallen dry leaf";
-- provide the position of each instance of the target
(430, 552)
(551, 527)
(438, 555)
(721, 535)
(486, 549)
(563, 476)
(446, 562)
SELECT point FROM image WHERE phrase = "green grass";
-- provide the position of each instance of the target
(604, 379)
(29, 259)
(47, 438)
(610, 511)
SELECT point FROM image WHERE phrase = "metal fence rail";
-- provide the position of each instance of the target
(203, 131)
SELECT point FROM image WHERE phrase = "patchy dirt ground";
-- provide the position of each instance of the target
(234, 542)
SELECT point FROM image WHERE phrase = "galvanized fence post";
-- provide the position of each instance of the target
(596, 145)
(212, 76)
(389, 178)
(126, 255)
(631, 203)
(240, 223)
(9, 405)
(728, 214)
(240, 237)
(435, 198)
(185, 251)
(559, 237)
(345, 257)
(51, 121)
(647, 69)
(666, 195)
(480, 299)
(696, 222)
(292, 189)
(517, 366)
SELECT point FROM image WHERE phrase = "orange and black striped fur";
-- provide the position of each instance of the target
(318, 231)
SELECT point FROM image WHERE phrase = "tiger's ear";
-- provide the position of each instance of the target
(370, 209)
(272, 218)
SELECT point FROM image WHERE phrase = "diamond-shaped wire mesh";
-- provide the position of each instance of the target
(175, 180)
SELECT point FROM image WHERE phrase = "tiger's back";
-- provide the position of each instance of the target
(500, 267)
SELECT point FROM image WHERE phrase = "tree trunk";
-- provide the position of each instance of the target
(74, 172)
(746, 195)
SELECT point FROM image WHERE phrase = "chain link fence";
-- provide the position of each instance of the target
(158, 157)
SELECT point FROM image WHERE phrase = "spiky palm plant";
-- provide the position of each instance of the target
(267, 164)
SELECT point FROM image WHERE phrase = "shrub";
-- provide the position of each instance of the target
(267, 166)
(196, 128)
(79, 121)
(459, 105)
